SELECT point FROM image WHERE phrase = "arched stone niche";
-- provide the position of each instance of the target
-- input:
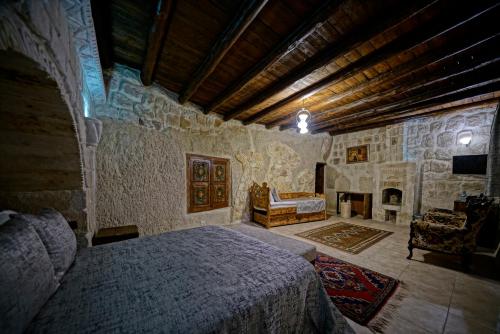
(41, 164)
(37, 42)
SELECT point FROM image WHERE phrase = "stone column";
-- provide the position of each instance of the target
(493, 172)
(93, 129)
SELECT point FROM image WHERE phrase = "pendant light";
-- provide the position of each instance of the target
(303, 117)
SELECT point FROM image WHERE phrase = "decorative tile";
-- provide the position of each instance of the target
(200, 195)
(200, 171)
(220, 173)
(219, 193)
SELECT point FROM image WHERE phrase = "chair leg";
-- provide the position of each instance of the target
(410, 248)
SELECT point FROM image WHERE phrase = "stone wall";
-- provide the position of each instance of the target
(429, 143)
(41, 31)
(433, 141)
(494, 158)
(385, 145)
(141, 172)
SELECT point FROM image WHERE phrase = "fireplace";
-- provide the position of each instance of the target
(394, 192)
(392, 196)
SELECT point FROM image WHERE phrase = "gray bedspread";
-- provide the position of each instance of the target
(202, 280)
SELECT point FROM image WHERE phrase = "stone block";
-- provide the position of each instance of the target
(445, 139)
(436, 126)
(185, 123)
(483, 130)
(366, 183)
(475, 120)
(121, 101)
(455, 123)
(441, 154)
(427, 140)
(412, 141)
(133, 92)
(173, 120)
(428, 154)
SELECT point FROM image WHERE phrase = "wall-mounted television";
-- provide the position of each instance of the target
(470, 164)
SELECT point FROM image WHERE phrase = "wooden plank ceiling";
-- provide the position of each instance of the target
(354, 64)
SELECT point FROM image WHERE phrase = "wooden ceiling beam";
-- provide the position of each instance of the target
(456, 92)
(367, 31)
(246, 14)
(457, 65)
(402, 43)
(445, 54)
(287, 44)
(470, 102)
(157, 34)
(475, 76)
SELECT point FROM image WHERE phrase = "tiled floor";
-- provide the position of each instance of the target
(439, 299)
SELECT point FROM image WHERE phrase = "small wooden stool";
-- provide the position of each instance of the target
(113, 234)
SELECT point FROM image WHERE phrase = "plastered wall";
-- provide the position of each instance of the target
(141, 174)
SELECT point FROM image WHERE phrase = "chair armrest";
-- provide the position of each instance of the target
(420, 225)
(446, 218)
(441, 210)
(445, 238)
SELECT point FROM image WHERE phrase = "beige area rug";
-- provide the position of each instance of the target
(344, 236)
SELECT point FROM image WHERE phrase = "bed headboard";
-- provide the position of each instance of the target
(259, 195)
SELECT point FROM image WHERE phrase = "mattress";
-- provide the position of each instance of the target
(303, 205)
(203, 280)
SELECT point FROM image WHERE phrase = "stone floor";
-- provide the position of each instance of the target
(439, 299)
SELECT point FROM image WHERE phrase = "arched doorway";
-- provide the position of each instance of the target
(41, 164)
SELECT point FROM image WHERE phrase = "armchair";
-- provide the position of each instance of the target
(449, 231)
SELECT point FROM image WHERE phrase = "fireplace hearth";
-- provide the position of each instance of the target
(394, 192)
(392, 196)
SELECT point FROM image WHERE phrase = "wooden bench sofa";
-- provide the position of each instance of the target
(270, 214)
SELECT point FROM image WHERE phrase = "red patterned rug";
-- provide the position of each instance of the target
(358, 293)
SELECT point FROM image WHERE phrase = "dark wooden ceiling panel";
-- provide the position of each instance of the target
(352, 63)
(194, 28)
(130, 22)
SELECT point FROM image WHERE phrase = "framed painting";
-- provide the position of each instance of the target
(357, 154)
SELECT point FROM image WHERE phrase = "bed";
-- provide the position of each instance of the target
(287, 208)
(202, 280)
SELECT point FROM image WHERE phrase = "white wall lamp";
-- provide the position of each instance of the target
(464, 138)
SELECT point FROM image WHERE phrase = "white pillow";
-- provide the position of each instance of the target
(275, 196)
(5, 215)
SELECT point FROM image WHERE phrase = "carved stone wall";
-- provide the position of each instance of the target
(141, 158)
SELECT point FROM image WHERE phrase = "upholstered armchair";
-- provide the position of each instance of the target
(448, 231)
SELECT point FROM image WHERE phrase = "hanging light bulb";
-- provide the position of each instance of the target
(302, 124)
(302, 117)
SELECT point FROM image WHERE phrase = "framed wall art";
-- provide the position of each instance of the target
(208, 183)
(357, 154)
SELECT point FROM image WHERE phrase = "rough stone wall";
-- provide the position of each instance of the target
(385, 145)
(429, 142)
(141, 172)
(40, 31)
(432, 142)
(494, 158)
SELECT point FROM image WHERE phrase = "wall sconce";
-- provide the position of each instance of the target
(464, 138)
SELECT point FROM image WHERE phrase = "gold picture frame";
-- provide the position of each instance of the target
(357, 154)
